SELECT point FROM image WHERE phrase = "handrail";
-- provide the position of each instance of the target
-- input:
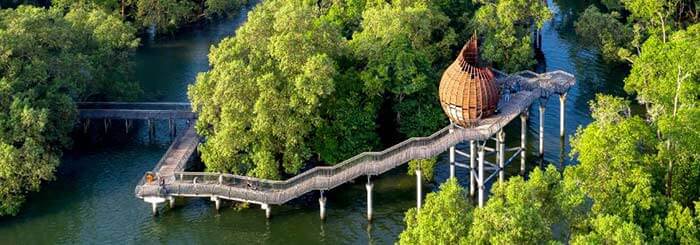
(257, 190)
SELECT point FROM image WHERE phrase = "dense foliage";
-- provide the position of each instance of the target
(48, 60)
(308, 80)
(636, 180)
(164, 15)
(445, 217)
(624, 25)
(507, 26)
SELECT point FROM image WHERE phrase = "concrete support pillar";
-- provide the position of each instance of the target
(86, 126)
(419, 189)
(126, 125)
(480, 177)
(217, 202)
(154, 207)
(523, 141)
(171, 201)
(369, 186)
(151, 129)
(268, 210)
(501, 155)
(106, 122)
(562, 114)
(541, 129)
(472, 167)
(173, 128)
(322, 206)
(452, 162)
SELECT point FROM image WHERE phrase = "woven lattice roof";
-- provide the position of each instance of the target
(468, 92)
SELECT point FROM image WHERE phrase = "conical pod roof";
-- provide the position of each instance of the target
(468, 93)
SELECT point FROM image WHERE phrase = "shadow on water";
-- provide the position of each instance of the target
(92, 200)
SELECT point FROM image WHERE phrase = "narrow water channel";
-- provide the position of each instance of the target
(92, 199)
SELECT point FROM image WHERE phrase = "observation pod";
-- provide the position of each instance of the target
(468, 92)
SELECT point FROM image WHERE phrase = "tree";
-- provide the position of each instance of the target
(608, 229)
(615, 155)
(399, 44)
(48, 61)
(444, 219)
(665, 78)
(519, 211)
(605, 31)
(426, 166)
(506, 27)
(261, 101)
(164, 15)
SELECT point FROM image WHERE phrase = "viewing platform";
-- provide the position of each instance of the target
(521, 90)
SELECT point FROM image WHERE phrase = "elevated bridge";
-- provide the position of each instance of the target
(149, 111)
(169, 178)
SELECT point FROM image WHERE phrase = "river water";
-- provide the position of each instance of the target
(92, 201)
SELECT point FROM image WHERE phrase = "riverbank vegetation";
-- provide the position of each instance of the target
(49, 59)
(162, 15)
(636, 180)
(324, 81)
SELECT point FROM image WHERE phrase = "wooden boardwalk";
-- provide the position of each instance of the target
(135, 111)
(179, 183)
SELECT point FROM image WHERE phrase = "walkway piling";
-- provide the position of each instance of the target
(322, 206)
(154, 207)
(419, 189)
(452, 162)
(523, 140)
(369, 186)
(480, 176)
(542, 108)
(472, 166)
(501, 136)
(562, 113)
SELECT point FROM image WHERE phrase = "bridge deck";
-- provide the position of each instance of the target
(144, 111)
(262, 191)
(254, 190)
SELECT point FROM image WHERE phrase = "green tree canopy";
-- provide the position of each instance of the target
(444, 219)
(605, 31)
(401, 43)
(261, 100)
(48, 61)
(506, 28)
(164, 15)
(519, 211)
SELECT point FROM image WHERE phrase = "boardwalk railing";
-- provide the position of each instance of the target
(141, 110)
(242, 188)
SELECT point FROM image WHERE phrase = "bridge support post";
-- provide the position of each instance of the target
(523, 140)
(322, 206)
(452, 162)
(501, 155)
(369, 186)
(217, 202)
(173, 128)
(542, 108)
(480, 177)
(472, 167)
(171, 201)
(86, 126)
(154, 208)
(268, 210)
(151, 130)
(562, 113)
(127, 124)
(107, 122)
(419, 189)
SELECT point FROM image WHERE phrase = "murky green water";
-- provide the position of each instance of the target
(92, 200)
